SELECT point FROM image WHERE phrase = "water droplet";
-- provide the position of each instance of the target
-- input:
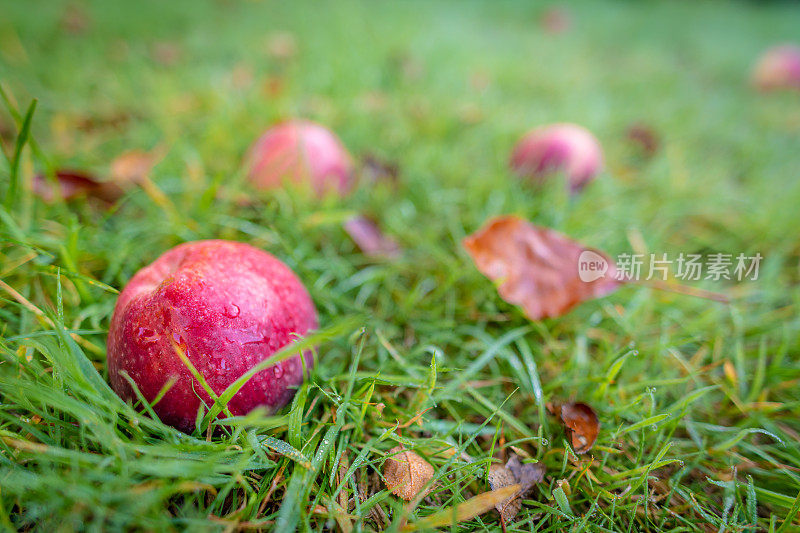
(231, 311)
(145, 336)
(653, 427)
(278, 371)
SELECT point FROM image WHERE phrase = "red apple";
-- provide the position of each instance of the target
(566, 148)
(300, 152)
(778, 68)
(227, 306)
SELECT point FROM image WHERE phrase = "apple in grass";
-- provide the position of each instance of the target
(302, 153)
(227, 306)
(778, 68)
(566, 148)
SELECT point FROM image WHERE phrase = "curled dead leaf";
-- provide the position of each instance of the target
(376, 169)
(526, 475)
(128, 169)
(581, 423)
(370, 239)
(133, 166)
(644, 138)
(539, 269)
(406, 473)
(70, 184)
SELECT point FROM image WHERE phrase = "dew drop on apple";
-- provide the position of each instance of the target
(231, 311)
(278, 371)
(145, 336)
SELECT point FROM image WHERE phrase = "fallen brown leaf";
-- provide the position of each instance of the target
(370, 239)
(581, 423)
(526, 475)
(406, 473)
(71, 184)
(376, 169)
(644, 138)
(133, 166)
(126, 170)
(538, 268)
(115, 120)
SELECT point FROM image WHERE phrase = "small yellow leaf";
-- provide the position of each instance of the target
(471, 508)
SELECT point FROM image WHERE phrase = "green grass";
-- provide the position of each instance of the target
(699, 424)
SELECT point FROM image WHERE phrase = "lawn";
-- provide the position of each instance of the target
(697, 399)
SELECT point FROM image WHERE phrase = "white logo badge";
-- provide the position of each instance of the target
(591, 266)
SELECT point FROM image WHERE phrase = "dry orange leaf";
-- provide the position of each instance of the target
(582, 424)
(406, 473)
(133, 166)
(538, 268)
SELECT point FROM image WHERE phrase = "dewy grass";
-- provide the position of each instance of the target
(697, 399)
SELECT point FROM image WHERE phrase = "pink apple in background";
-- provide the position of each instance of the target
(304, 153)
(565, 148)
(778, 68)
(227, 306)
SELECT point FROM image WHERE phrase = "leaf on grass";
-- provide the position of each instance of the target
(581, 422)
(370, 239)
(538, 268)
(133, 166)
(376, 169)
(68, 184)
(644, 138)
(467, 510)
(406, 473)
(526, 475)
